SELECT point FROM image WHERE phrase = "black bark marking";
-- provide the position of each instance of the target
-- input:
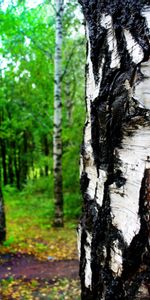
(84, 181)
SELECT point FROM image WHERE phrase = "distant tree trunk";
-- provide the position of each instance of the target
(4, 164)
(57, 140)
(10, 164)
(114, 232)
(2, 219)
(17, 165)
(24, 159)
(41, 172)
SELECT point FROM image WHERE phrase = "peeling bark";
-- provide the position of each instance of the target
(115, 158)
(57, 141)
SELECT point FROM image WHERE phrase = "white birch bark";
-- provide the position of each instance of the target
(115, 157)
(57, 140)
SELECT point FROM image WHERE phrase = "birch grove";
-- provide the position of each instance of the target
(113, 235)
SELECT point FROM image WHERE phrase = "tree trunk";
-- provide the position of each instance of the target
(10, 164)
(24, 159)
(17, 165)
(57, 141)
(2, 219)
(114, 231)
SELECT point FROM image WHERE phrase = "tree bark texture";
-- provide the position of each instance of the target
(57, 140)
(114, 232)
(2, 219)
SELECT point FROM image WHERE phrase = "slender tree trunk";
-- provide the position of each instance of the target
(32, 147)
(17, 166)
(2, 219)
(10, 169)
(10, 164)
(57, 140)
(41, 172)
(24, 159)
(114, 232)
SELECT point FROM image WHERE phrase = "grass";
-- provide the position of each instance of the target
(29, 216)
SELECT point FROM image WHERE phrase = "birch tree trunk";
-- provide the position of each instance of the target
(57, 141)
(114, 232)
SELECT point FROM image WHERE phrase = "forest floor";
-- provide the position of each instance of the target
(23, 276)
(46, 273)
(37, 261)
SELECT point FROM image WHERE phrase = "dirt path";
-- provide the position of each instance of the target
(28, 267)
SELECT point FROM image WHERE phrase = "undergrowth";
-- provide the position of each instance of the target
(29, 218)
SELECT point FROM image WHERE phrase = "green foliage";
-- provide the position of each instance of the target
(40, 186)
(26, 102)
(26, 134)
(38, 194)
(9, 241)
(72, 205)
(34, 196)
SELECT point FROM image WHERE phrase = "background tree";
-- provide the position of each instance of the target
(115, 168)
(57, 138)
